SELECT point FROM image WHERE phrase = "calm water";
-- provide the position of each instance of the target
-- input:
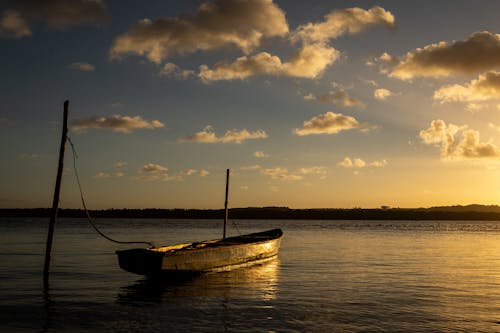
(331, 276)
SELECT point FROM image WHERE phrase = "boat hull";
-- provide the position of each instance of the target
(216, 255)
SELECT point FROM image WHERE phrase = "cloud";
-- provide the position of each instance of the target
(382, 94)
(358, 163)
(457, 142)
(120, 165)
(386, 62)
(153, 168)
(281, 173)
(107, 175)
(155, 172)
(216, 24)
(485, 88)
(207, 135)
(349, 163)
(379, 164)
(13, 25)
(82, 66)
(339, 97)
(192, 172)
(479, 52)
(244, 24)
(117, 123)
(260, 64)
(314, 170)
(57, 14)
(170, 69)
(251, 167)
(329, 123)
(260, 154)
(310, 61)
(343, 21)
(493, 126)
(372, 83)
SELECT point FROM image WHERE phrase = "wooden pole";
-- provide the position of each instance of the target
(225, 203)
(55, 201)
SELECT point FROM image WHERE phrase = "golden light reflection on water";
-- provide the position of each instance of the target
(259, 281)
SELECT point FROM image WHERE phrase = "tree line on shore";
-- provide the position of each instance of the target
(470, 212)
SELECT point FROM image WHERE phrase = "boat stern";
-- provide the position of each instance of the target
(140, 261)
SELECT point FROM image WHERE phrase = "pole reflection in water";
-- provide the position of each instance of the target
(258, 281)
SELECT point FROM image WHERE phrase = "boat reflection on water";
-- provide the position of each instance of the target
(257, 281)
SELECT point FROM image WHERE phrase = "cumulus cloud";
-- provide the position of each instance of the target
(244, 24)
(13, 25)
(339, 97)
(343, 21)
(120, 165)
(193, 172)
(155, 172)
(251, 167)
(171, 69)
(281, 173)
(382, 94)
(386, 62)
(372, 83)
(493, 126)
(114, 174)
(260, 154)
(153, 168)
(57, 14)
(379, 163)
(310, 61)
(217, 24)
(479, 52)
(329, 123)
(82, 66)
(207, 135)
(117, 123)
(458, 142)
(107, 175)
(314, 170)
(348, 162)
(260, 64)
(485, 88)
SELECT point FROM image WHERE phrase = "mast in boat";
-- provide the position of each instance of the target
(225, 203)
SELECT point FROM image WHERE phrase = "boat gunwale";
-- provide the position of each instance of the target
(211, 244)
(217, 244)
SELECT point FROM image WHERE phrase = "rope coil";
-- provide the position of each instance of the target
(89, 219)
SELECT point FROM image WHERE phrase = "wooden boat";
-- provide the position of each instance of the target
(207, 256)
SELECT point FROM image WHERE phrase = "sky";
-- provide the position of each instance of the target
(310, 104)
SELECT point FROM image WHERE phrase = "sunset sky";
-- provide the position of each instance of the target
(311, 104)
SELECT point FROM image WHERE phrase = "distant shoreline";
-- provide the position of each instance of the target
(470, 212)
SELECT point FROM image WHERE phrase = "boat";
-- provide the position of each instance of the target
(215, 255)
(200, 257)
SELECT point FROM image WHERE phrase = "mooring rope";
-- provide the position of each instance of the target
(89, 219)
